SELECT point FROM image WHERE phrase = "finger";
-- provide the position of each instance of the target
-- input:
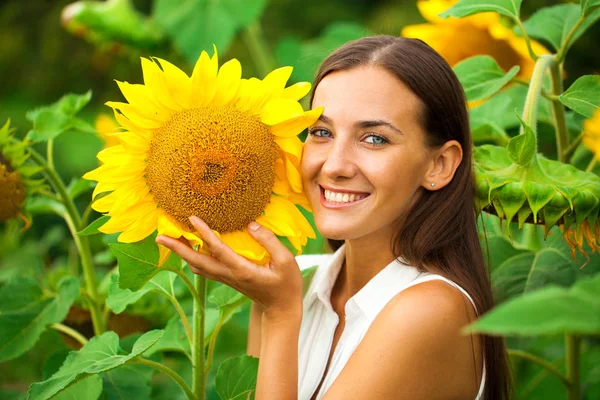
(201, 264)
(219, 249)
(279, 253)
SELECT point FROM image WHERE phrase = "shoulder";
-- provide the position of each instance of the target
(420, 349)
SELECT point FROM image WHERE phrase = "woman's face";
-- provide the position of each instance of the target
(365, 159)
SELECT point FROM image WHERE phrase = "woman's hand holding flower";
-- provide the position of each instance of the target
(276, 286)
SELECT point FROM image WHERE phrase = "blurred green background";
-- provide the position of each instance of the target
(40, 61)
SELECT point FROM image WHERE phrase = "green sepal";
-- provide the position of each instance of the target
(521, 149)
(511, 197)
(523, 215)
(585, 203)
(554, 210)
(538, 195)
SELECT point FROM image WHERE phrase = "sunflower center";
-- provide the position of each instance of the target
(214, 163)
(12, 191)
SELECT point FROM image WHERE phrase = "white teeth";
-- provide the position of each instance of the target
(334, 197)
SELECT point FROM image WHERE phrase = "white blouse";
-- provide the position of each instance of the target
(319, 320)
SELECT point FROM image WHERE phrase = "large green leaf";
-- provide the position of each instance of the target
(138, 262)
(92, 228)
(225, 296)
(118, 299)
(89, 388)
(306, 56)
(127, 382)
(197, 25)
(464, 8)
(26, 311)
(588, 5)
(553, 24)
(100, 354)
(482, 77)
(50, 121)
(583, 96)
(174, 339)
(236, 377)
(548, 311)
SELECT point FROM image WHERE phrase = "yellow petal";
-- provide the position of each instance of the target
(252, 95)
(228, 83)
(163, 254)
(275, 81)
(279, 110)
(140, 230)
(134, 115)
(291, 145)
(243, 244)
(296, 91)
(134, 142)
(139, 97)
(204, 80)
(177, 82)
(155, 81)
(104, 204)
(294, 126)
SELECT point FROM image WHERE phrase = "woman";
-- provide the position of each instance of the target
(387, 170)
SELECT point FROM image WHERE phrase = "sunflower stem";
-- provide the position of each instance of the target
(259, 49)
(548, 366)
(50, 153)
(532, 54)
(70, 332)
(73, 221)
(573, 347)
(591, 165)
(198, 377)
(558, 110)
(560, 56)
(213, 341)
(168, 371)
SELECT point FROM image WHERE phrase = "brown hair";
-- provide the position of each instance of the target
(439, 232)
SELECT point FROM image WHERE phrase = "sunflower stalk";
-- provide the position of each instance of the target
(73, 221)
(168, 371)
(70, 332)
(558, 111)
(573, 348)
(548, 366)
(198, 376)
(253, 38)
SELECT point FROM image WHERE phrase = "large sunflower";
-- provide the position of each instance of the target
(212, 145)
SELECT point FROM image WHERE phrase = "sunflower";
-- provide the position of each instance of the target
(457, 39)
(591, 134)
(212, 145)
(16, 181)
(106, 127)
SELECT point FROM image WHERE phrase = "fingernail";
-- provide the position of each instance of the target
(253, 226)
(159, 240)
(194, 220)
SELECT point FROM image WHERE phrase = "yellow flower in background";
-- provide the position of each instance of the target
(212, 145)
(106, 127)
(591, 134)
(459, 38)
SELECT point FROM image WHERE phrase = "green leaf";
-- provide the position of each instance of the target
(118, 299)
(50, 121)
(26, 311)
(100, 354)
(138, 262)
(521, 149)
(464, 8)
(79, 186)
(93, 227)
(197, 25)
(583, 96)
(548, 311)
(224, 296)
(236, 377)
(127, 382)
(588, 5)
(482, 77)
(488, 132)
(306, 56)
(174, 339)
(553, 24)
(89, 388)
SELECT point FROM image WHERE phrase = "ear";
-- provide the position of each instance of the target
(444, 163)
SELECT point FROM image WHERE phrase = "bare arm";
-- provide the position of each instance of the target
(254, 331)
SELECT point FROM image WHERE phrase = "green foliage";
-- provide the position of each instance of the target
(521, 149)
(50, 121)
(236, 377)
(197, 25)
(138, 263)
(464, 8)
(92, 228)
(127, 382)
(100, 354)
(583, 96)
(26, 311)
(481, 77)
(548, 311)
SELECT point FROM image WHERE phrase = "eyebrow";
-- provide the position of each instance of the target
(366, 124)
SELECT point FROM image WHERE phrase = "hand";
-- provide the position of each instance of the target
(276, 287)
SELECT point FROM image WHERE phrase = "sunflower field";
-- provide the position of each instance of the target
(121, 118)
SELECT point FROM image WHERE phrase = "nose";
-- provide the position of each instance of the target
(340, 161)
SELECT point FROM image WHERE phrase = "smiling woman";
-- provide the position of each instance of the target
(387, 171)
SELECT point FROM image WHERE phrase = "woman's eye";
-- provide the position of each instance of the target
(376, 140)
(319, 132)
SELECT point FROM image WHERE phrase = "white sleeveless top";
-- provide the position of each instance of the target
(319, 320)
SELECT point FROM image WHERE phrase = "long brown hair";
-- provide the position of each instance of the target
(439, 232)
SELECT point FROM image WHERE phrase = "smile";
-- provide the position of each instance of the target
(337, 199)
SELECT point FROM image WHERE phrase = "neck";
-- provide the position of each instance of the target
(365, 257)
